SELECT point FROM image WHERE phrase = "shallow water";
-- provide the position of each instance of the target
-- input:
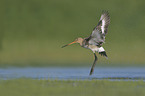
(74, 73)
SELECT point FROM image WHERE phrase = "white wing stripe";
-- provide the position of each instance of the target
(103, 26)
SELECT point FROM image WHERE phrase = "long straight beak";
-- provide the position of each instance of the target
(68, 44)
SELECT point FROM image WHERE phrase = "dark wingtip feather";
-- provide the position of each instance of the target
(105, 12)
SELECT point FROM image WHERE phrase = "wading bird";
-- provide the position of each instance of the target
(96, 39)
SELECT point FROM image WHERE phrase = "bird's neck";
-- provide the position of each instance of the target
(81, 42)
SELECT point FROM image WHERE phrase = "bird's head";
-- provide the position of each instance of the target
(78, 40)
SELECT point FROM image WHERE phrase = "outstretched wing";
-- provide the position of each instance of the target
(98, 35)
(103, 23)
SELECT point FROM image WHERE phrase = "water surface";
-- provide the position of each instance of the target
(74, 73)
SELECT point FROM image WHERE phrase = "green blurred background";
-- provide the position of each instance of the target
(33, 31)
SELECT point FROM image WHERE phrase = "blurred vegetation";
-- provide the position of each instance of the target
(31, 87)
(33, 31)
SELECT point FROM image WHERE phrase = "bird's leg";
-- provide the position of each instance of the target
(92, 68)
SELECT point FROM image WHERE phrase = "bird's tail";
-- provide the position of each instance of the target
(102, 52)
